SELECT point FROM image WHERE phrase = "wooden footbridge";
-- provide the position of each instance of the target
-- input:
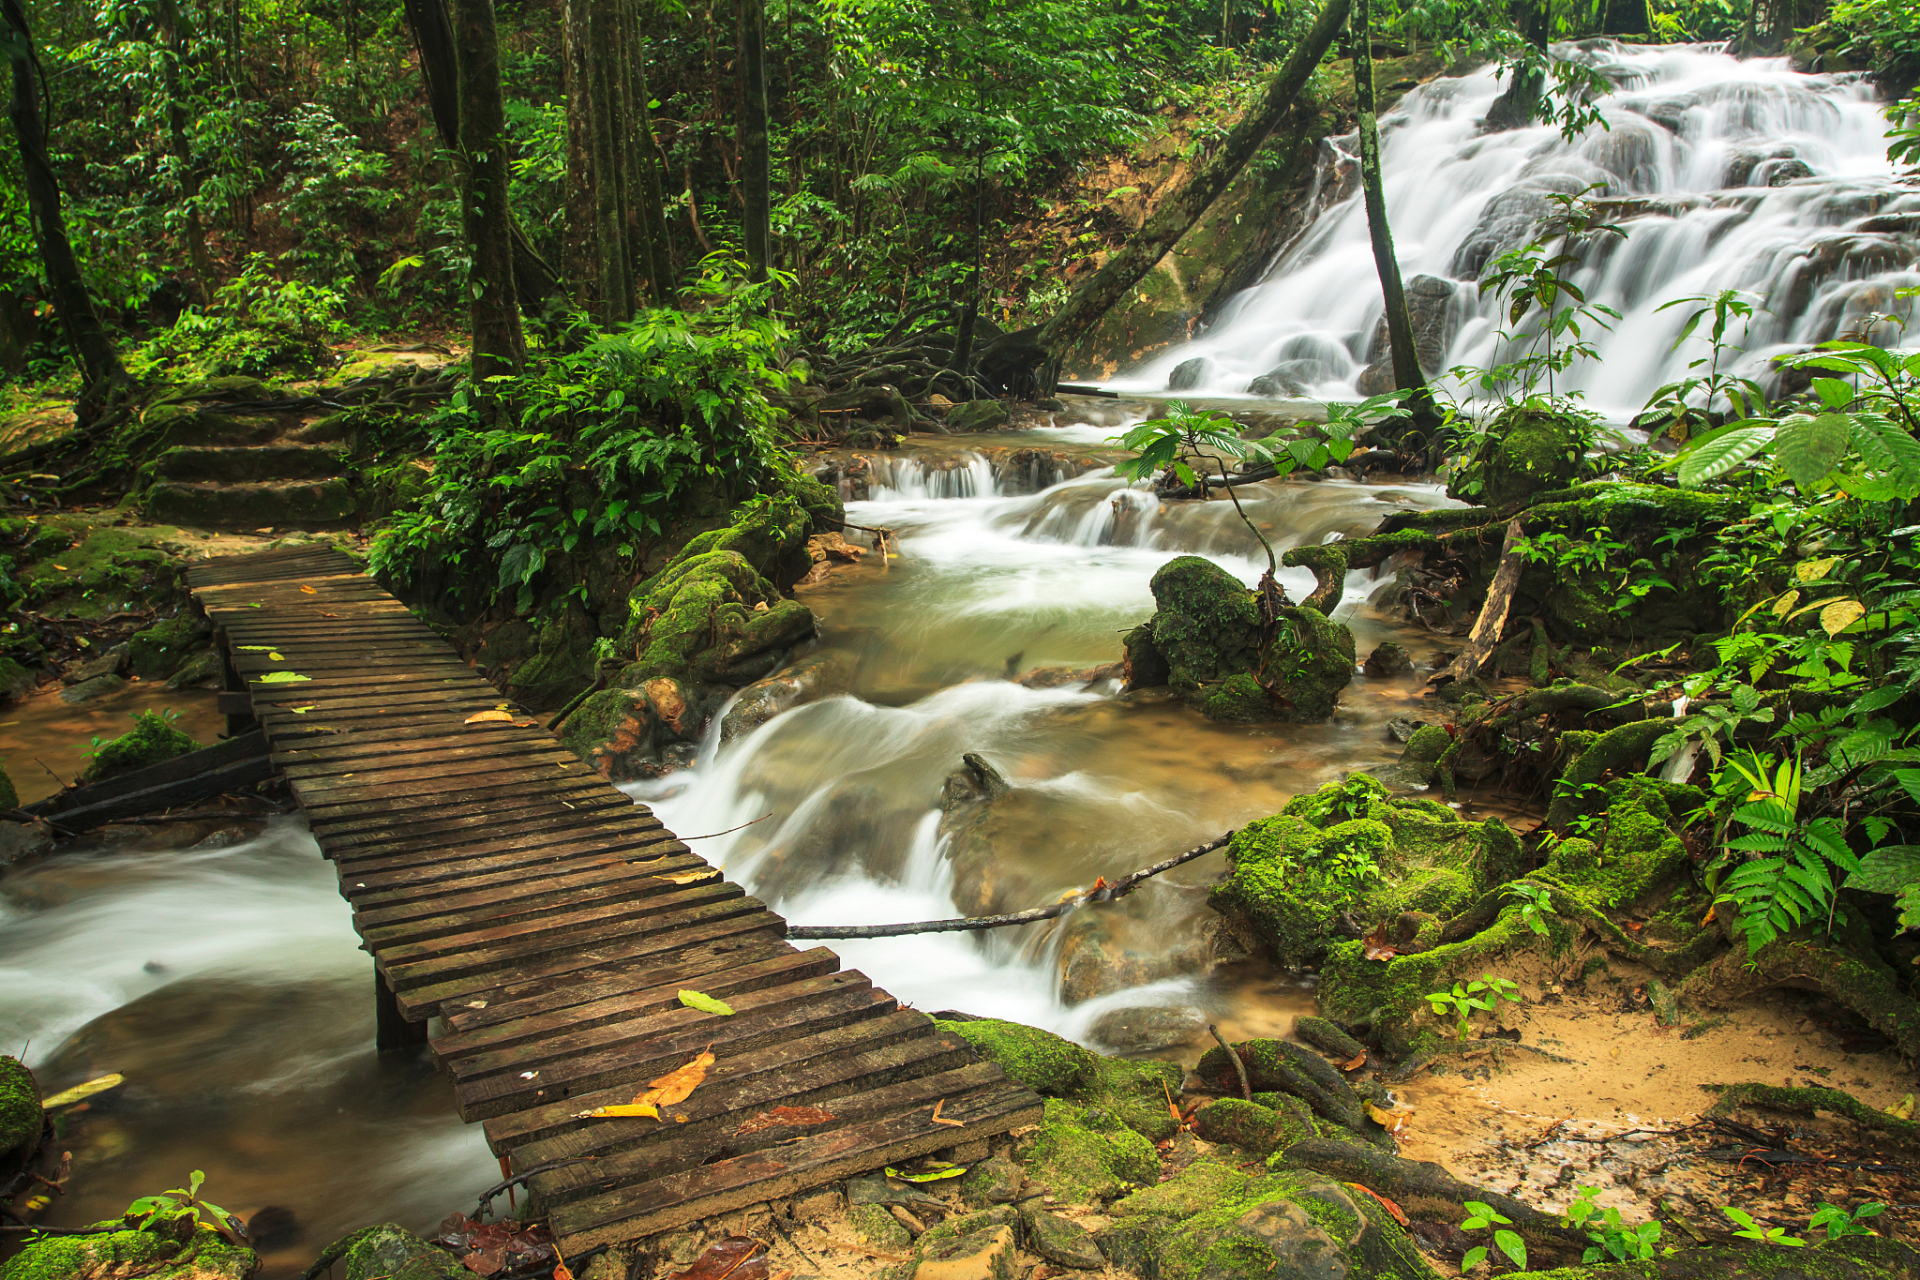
(533, 927)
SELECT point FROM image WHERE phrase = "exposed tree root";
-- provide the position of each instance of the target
(1866, 987)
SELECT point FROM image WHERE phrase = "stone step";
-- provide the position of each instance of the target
(261, 462)
(285, 504)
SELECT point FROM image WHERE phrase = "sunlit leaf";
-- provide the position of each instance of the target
(281, 677)
(705, 1003)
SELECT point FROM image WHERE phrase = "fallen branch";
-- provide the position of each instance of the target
(1239, 1064)
(1101, 892)
(1493, 615)
(729, 831)
(500, 1188)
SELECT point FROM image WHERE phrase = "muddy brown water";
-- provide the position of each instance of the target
(45, 743)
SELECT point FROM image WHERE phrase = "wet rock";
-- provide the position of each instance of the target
(995, 1180)
(1285, 381)
(1315, 358)
(1430, 310)
(877, 1189)
(20, 841)
(227, 838)
(111, 663)
(88, 690)
(1061, 677)
(1144, 1029)
(1400, 728)
(203, 670)
(1061, 1241)
(986, 1253)
(1189, 374)
(159, 651)
(275, 1227)
(626, 733)
(1388, 660)
(9, 798)
(976, 415)
(806, 681)
(391, 1252)
(16, 681)
(1095, 960)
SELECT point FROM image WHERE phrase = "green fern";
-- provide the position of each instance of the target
(1790, 880)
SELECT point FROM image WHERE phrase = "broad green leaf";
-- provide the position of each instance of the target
(1888, 869)
(1836, 393)
(705, 1003)
(1721, 454)
(1808, 448)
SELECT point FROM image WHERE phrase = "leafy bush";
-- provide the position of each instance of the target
(257, 324)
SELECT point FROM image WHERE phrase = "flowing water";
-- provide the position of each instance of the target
(1696, 139)
(225, 982)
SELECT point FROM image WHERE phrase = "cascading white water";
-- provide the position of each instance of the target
(1724, 173)
(989, 585)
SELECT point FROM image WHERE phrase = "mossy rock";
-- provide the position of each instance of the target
(1642, 850)
(1391, 997)
(976, 415)
(20, 1115)
(704, 615)
(151, 740)
(1205, 624)
(1251, 1126)
(1278, 1066)
(1086, 1155)
(160, 650)
(1055, 1067)
(1290, 879)
(284, 504)
(167, 1248)
(105, 569)
(1282, 1226)
(622, 732)
(391, 1252)
(770, 534)
(1527, 453)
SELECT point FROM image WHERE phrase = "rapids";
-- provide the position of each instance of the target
(1724, 173)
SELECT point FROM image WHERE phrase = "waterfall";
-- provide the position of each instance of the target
(1724, 173)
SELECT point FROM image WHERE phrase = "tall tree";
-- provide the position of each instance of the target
(100, 370)
(647, 164)
(1407, 374)
(754, 160)
(492, 308)
(1180, 210)
(173, 35)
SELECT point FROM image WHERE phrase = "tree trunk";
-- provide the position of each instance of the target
(100, 369)
(1407, 374)
(645, 165)
(534, 281)
(754, 160)
(1177, 214)
(498, 346)
(613, 278)
(173, 33)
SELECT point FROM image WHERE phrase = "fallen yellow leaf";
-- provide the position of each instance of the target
(490, 717)
(668, 1089)
(308, 590)
(100, 1084)
(691, 877)
(646, 1109)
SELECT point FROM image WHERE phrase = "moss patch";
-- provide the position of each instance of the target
(151, 740)
(1134, 1093)
(1087, 1155)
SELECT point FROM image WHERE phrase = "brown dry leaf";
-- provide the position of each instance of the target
(734, 1258)
(1378, 948)
(561, 1271)
(1359, 1061)
(691, 877)
(783, 1116)
(1394, 1122)
(940, 1119)
(1399, 1215)
(490, 717)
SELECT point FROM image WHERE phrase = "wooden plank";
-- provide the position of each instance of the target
(465, 952)
(529, 887)
(596, 957)
(486, 738)
(326, 784)
(814, 1062)
(332, 811)
(918, 1073)
(293, 733)
(659, 1206)
(510, 906)
(246, 746)
(433, 867)
(373, 831)
(495, 1042)
(226, 777)
(636, 1061)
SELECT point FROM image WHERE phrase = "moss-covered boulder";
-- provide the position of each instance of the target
(20, 1116)
(170, 1246)
(1206, 1224)
(1251, 1126)
(1350, 850)
(707, 616)
(1055, 1067)
(1087, 1154)
(160, 650)
(391, 1252)
(151, 740)
(1283, 1067)
(1526, 453)
(626, 733)
(1207, 643)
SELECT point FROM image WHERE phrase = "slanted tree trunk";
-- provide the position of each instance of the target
(100, 370)
(754, 160)
(1179, 211)
(1407, 374)
(534, 281)
(492, 307)
(173, 33)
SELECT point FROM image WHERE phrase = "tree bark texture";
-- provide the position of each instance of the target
(534, 281)
(646, 163)
(492, 307)
(1177, 214)
(173, 33)
(754, 160)
(1407, 374)
(99, 366)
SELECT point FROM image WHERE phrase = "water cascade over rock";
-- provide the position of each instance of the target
(1724, 173)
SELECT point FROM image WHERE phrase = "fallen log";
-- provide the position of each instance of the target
(198, 775)
(1101, 892)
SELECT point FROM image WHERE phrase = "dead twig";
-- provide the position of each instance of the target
(729, 831)
(1239, 1066)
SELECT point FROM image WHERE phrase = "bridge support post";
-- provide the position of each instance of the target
(393, 1033)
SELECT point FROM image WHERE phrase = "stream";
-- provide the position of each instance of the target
(226, 983)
